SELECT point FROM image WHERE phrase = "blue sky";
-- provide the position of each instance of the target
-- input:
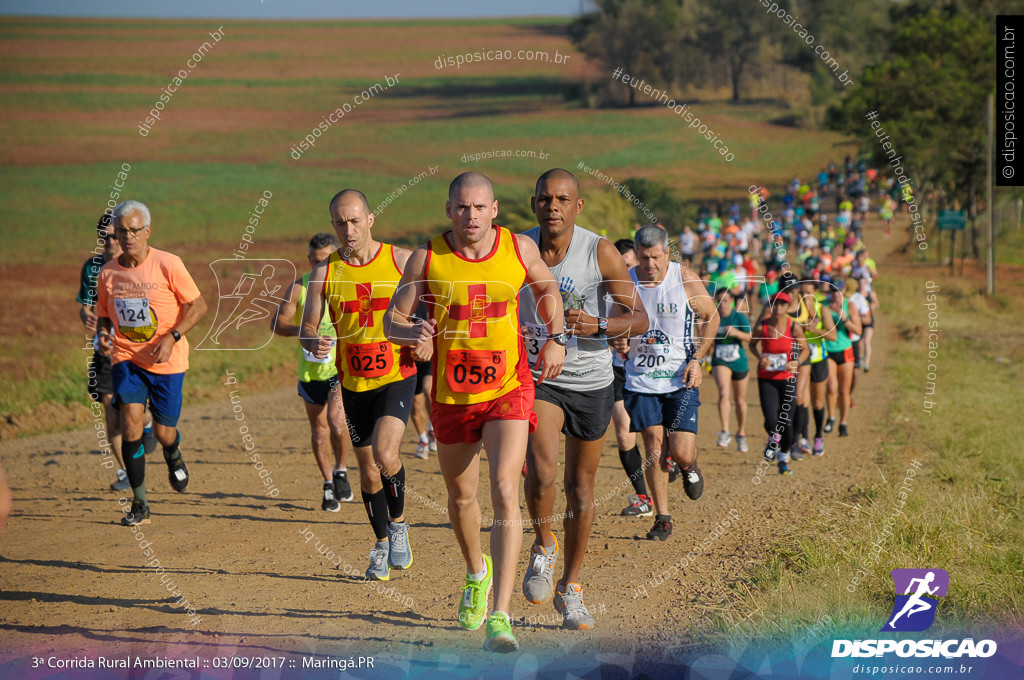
(291, 9)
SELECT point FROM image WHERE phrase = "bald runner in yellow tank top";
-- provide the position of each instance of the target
(483, 392)
(378, 378)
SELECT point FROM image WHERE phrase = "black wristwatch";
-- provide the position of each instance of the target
(175, 334)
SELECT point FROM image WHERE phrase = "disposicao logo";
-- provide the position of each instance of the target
(913, 611)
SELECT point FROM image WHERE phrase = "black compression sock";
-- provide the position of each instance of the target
(819, 421)
(801, 421)
(173, 452)
(377, 510)
(135, 466)
(394, 486)
(632, 463)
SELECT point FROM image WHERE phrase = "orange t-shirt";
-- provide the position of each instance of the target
(144, 304)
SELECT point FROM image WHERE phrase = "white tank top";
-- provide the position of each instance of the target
(588, 364)
(657, 359)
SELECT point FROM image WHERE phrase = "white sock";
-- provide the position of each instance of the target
(424, 438)
(337, 470)
(481, 576)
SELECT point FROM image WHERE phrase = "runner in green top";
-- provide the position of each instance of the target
(845, 320)
(318, 383)
(730, 369)
(817, 333)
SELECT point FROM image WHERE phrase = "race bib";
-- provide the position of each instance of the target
(474, 370)
(135, 320)
(776, 362)
(369, 360)
(534, 338)
(650, 356)
(727, 353)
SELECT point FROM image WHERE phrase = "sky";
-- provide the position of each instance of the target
(291, 9)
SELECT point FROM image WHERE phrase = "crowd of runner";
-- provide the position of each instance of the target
(520, 344)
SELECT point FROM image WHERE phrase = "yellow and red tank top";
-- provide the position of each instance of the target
(479, 353)
(357, 297)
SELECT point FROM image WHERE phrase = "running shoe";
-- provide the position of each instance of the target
(724, 438)
(422, 450)
(672, 468)
(867, 369)
(805, 445)
(829, 424)
(784, 469)
(795, 453)
(538, 583)
(499, 634)
(843, 431)
(693, 482)
(177, 473)
(662, 530)
(378, 569)
(121, 483)
(639, 506)
(342, 489)
(741, 443)
(473, 603)
(149, 441)
(329, 503)
(769, 452)
(400, 555)
(569, 603)
(819, 446)
(139, 514)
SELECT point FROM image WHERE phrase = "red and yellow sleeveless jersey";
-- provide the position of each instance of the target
(479, 354)
(357, 297)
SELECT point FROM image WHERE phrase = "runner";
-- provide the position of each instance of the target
(866, 293)
(779, 347)
(815, 389)
(730, 369)
(483, 390)
(840, 359)
(629, 455)
(101, 388)
(378, 378)
(318, 382)
(600, 302)
(146, 301)
(663, 369)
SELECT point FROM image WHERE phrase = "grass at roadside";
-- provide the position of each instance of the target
(964, 511)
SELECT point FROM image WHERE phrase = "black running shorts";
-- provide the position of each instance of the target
(364, 409)
(587, 414)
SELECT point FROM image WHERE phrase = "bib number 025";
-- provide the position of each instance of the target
(474, 371)
(369, 360)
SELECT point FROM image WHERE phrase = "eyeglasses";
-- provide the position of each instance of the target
(109, 236)
(121, 231)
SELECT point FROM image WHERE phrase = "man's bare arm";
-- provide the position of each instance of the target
(281, 323)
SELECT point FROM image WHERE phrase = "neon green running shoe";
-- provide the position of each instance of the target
(473, 605)
(499, 634)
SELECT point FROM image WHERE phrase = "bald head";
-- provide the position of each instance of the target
(470, 180)
(349, 194)
(557, 174)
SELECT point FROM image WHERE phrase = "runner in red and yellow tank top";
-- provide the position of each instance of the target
(483, 391)
(378, 378)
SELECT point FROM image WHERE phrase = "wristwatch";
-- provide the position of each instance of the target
(602, 325)
(560, 338)
(175, 334)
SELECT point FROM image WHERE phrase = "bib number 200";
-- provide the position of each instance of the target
(474, 371)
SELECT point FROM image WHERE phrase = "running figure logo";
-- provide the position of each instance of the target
(917, 590)
(248, 294)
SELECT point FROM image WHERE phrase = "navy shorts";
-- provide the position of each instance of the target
(317, 392)
(134, 385)
(676, 411)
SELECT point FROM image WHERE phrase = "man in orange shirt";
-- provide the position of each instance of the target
(483, 389)
(146, 303)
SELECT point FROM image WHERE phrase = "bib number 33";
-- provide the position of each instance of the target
(474, 371)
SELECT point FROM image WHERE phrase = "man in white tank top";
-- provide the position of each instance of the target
(578, 402)
(663, 368)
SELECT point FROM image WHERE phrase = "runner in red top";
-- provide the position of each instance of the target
(779, 347)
